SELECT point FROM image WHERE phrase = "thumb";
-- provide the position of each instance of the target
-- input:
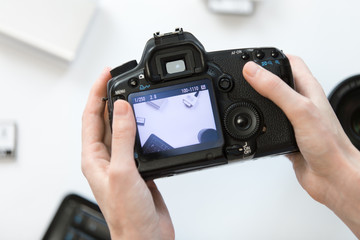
(123, 137)
(272, 87)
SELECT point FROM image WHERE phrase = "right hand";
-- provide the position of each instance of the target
(328, 165)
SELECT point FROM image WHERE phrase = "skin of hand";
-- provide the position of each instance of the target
(133, 209)
(328, 165)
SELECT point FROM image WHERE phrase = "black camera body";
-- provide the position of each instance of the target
(194, 109)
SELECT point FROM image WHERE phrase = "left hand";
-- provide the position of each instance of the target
(133, 209)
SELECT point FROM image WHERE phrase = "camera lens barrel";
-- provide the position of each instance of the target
(345, 100)
(355, 121)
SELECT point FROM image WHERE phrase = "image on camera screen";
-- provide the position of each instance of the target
(177, 119)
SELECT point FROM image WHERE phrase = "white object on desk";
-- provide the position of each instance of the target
(241, 7)
(7, 140)
(55, 26)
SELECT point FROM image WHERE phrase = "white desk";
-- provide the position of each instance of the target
(254, 200)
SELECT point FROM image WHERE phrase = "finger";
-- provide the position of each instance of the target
(273, 88)
(305, 83)
(123, 136)
(107, 134)
(93, 116)
(94, 153)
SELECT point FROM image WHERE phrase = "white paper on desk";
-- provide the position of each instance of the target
(55, 26)
(241, 7)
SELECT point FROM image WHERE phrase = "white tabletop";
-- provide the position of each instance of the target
(258, 199)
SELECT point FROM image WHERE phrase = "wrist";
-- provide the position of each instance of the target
(133, 235)
(343, 196)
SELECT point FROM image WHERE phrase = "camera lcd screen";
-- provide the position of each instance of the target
(177, 119)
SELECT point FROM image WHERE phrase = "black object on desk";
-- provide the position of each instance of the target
(77, 218)
(155, 144)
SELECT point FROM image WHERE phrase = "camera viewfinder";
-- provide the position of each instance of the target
(175, 66)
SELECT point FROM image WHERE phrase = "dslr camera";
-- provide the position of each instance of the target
(194, 109)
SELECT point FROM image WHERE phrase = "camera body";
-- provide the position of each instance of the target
(194, 109)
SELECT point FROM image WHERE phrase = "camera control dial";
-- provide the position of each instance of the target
(242, 120)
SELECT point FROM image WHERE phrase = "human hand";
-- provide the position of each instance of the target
(328, 165)
(133, 209)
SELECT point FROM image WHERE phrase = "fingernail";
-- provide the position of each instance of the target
(251, 69)
(121, 107)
